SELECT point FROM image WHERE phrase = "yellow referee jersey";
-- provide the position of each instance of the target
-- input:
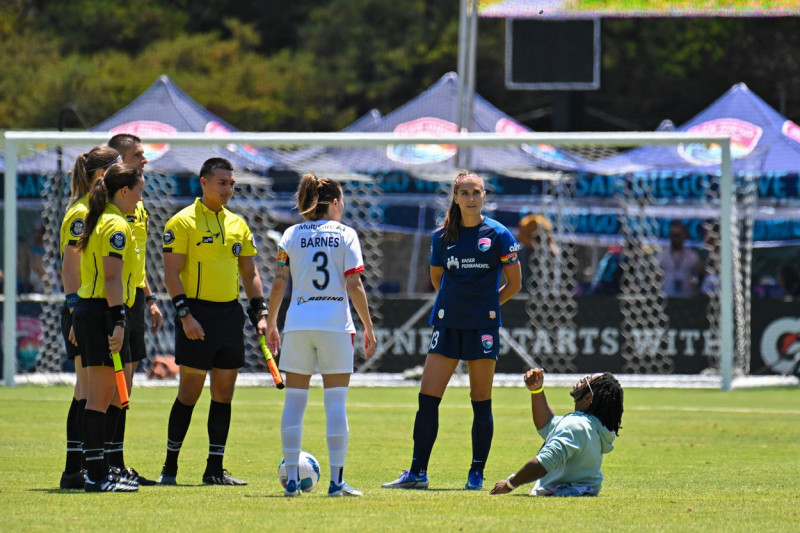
(112, 237)
(212, 243)
(73, 222)
(139, 221)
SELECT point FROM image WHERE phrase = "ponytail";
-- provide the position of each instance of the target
(119, 175)
(85, 167)
(314, 195)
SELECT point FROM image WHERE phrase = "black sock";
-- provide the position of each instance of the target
(93, 428)
(426, 427)
(219, 423)
(112, 417)
(179, 419)
(482, 432)
(74, 449)
(116, 454)
(81, 410)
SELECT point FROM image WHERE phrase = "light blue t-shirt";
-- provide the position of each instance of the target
(572, 452)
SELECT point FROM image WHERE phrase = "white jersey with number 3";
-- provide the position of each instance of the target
(320, 254)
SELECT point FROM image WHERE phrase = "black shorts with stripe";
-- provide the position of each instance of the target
(66, 322)
(92, 322)
(137, 327)
(223, 345)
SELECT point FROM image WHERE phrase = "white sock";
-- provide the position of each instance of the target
(294, 408)
(337, 429)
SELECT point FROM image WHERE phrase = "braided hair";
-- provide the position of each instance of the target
(607, 401)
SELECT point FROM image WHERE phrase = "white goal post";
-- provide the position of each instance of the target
(17, 142)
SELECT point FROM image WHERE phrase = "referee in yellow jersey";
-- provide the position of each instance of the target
(130, 149)
(206, 250)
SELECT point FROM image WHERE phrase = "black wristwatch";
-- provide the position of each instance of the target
(184, 311)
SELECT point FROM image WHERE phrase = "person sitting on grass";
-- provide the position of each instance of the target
(569, 461)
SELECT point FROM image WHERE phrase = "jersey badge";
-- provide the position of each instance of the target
(492, 315)
(452, 262)
(169, 237)
(237, 249)
(117, 240)
(441, 313)
(76, 228)
(484, 244)
(131, 218)
(487, 341)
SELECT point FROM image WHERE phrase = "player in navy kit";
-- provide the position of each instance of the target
(468, 254)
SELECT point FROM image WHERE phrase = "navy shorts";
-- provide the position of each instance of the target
(465, 344)
(223, 345)
(91, 319)
(66, 321)
(137, 327)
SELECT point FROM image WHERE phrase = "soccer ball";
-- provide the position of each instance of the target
(309, 472)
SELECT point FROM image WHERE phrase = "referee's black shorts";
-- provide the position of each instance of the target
(66, 322)
(137, 327)
(223, 345)
(92, 322)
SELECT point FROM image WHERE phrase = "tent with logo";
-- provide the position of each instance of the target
(162, 109)
(435, 111)
(761, 139)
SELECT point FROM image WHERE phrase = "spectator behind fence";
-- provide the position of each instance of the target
(682, 266)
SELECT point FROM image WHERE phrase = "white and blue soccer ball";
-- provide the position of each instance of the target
(309, 472)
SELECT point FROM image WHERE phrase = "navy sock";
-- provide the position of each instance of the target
(482, 432)
(426, 428)
(219, 423)
(74, 449)
(179, 419)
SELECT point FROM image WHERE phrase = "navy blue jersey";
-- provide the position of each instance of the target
(469, 296)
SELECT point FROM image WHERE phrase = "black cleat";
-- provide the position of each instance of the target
(167, 477)
(133, 475)
(110, 483)
(73, 481)
(221, 477)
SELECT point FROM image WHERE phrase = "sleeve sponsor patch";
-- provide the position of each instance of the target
(117, 240)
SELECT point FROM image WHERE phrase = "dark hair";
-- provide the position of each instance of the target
(117, 176)
(122, 142)
(85, 166)
(208, 168)
(607, 401)
(314, 195)
(452, 219)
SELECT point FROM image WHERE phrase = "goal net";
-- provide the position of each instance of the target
(591, 233)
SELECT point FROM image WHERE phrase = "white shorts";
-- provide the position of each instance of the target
(309, 351)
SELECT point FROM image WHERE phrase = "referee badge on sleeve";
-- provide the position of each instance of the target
(237, 249)
(117, 240)
(169, 237)
(76, 228)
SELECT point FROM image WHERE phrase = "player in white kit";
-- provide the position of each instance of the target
(323, 258)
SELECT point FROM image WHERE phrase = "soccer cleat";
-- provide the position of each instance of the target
(73, 481)
(121, 475)
(110, 483)
(336, 490)
(474, 480)
(132, 475)
(292, 489)
(222, 477)
(167, 478)
(407, 480)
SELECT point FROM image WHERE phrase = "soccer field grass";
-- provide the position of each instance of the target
(686, 460)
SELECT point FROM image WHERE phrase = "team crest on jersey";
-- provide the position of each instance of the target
(117, 240)
(484, 244)
(452, 262)
(76, 228)
(487, 341)
(169, 237)
(237, 249)
(492, 315)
